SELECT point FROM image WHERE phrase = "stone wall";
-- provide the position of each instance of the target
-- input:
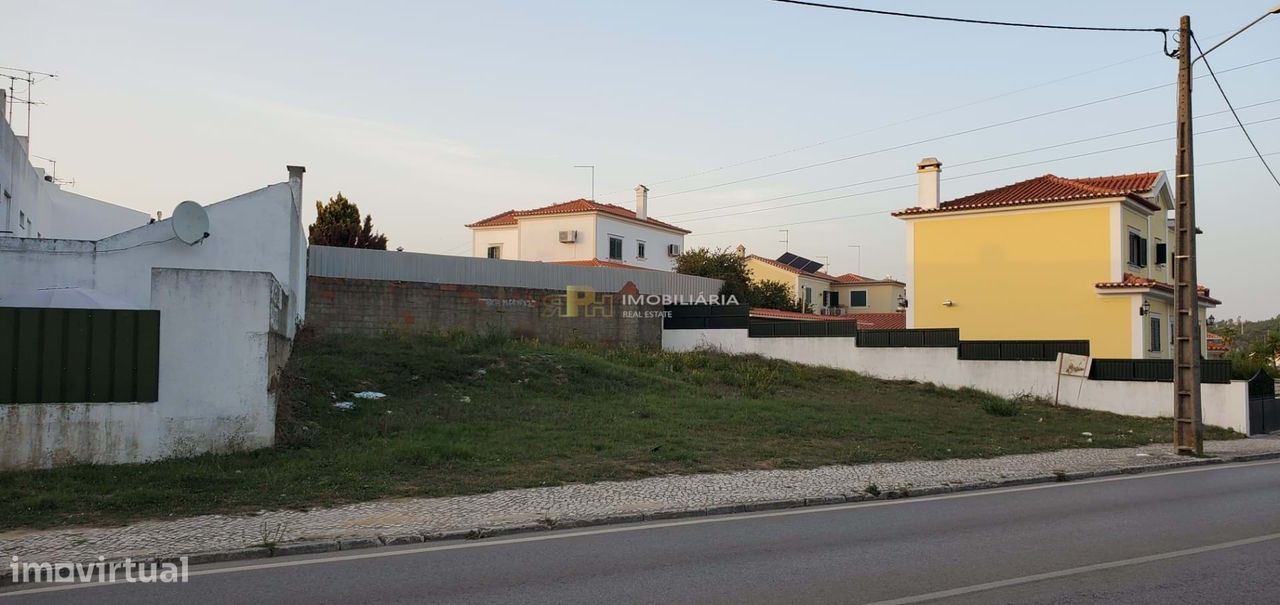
(370, 307)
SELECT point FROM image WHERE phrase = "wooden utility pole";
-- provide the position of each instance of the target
(1188, 435)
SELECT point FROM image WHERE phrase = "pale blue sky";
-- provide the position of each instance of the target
(434, 114)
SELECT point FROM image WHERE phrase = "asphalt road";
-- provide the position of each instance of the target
(1202, 535)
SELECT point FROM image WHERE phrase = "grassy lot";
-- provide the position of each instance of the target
(465, 415)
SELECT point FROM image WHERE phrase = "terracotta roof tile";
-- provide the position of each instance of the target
(1137, 281)
(580, 205)
(1051, 188)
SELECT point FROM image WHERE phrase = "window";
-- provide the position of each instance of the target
(1162, 252)
(808, 298)
(615, 247)
(1155, 334)
(639, 249)
(834, 299)
(858, 298)
(495, 251)
(1137, 249)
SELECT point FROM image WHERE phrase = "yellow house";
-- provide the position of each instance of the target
(823, 293)
(1048, 258)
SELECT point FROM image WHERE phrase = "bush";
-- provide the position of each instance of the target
(1001, 407)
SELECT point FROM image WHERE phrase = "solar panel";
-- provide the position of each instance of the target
(799, 262)
(787, 258)
(811, 267)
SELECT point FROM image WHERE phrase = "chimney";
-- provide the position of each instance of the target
(929, 172)
(642, 202)
(295, 186)
(742, 251)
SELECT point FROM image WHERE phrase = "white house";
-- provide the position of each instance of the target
(32, 205)
(581, 232)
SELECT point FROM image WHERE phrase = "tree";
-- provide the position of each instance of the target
(726, 265)
(722, 264)
(338, 224)
(769, 294)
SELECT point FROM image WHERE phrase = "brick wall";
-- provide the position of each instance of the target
(369, 307)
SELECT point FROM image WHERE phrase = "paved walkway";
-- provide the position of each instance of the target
(413, 520)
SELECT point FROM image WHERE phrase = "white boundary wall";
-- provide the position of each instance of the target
(1225, 405)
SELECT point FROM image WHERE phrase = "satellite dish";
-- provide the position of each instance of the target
(190, 223)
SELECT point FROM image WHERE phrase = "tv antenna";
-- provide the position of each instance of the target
(53, 176)
(30, 77)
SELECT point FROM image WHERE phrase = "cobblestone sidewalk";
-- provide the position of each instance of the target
(222, 537)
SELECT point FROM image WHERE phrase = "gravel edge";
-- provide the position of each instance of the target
(378, 540)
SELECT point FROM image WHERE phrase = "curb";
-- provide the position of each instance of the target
(479, 533)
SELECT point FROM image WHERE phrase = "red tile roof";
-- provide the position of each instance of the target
(854, 278)
(1050, 188)
(1137, 281)
(871, 321)
(580, 205)
(595, 262)
(780, 314)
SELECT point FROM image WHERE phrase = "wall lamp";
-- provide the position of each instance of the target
(1145, 308)
(948, 303)
(902, 302)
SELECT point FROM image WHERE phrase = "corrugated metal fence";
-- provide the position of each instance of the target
(78, 355)
(353, 263)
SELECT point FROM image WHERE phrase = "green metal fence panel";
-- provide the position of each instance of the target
(1020, 350)
(51, 355)
(125, 349)
(79, 355)
(101, 328)
(75, 385)
(147, 359)
(27, 366)
(1212, 371)
(8, 353)
(922, 337)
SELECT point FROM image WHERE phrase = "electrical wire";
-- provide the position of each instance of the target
(973, 174)
(1233, 111)
(949, 135)
(967, 163)
(1159, 30)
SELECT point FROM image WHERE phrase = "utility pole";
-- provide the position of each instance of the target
(1188, 437)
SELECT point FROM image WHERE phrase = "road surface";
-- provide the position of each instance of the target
(1201, 535)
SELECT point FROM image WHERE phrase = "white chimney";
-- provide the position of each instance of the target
(642, 202)
(929, 173)
(742, 251)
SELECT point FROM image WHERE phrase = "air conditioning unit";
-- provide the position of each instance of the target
(673, 249)
(569, 237)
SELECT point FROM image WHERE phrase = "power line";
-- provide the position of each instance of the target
(973, 174)
(1233, 111)
(968, 163)
(899, 122)
(949, 135)
(1159, 30)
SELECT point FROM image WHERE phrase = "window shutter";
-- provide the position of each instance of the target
(1162, 253)
(1143, 257)
(835, 299)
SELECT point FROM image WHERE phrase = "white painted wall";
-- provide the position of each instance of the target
(215, 337)
(507, 237)
(53, 212)
(256, 231)
(656, 241)
(540, 237)
(1225, 405)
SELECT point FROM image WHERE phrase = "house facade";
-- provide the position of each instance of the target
(581, 232)
(1048, 258)
(32, 204)
(824, 294)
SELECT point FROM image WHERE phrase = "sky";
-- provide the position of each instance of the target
(434, 114)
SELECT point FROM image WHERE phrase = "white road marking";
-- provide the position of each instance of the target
(1062, 573)
(698, 521)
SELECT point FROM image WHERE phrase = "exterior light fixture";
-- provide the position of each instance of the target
(948, 303)
(902, 302)
(1211, 321)
(1146, 308)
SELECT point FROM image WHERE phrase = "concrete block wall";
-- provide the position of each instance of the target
(372, 307)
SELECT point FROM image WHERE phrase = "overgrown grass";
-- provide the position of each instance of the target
(466, 415)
